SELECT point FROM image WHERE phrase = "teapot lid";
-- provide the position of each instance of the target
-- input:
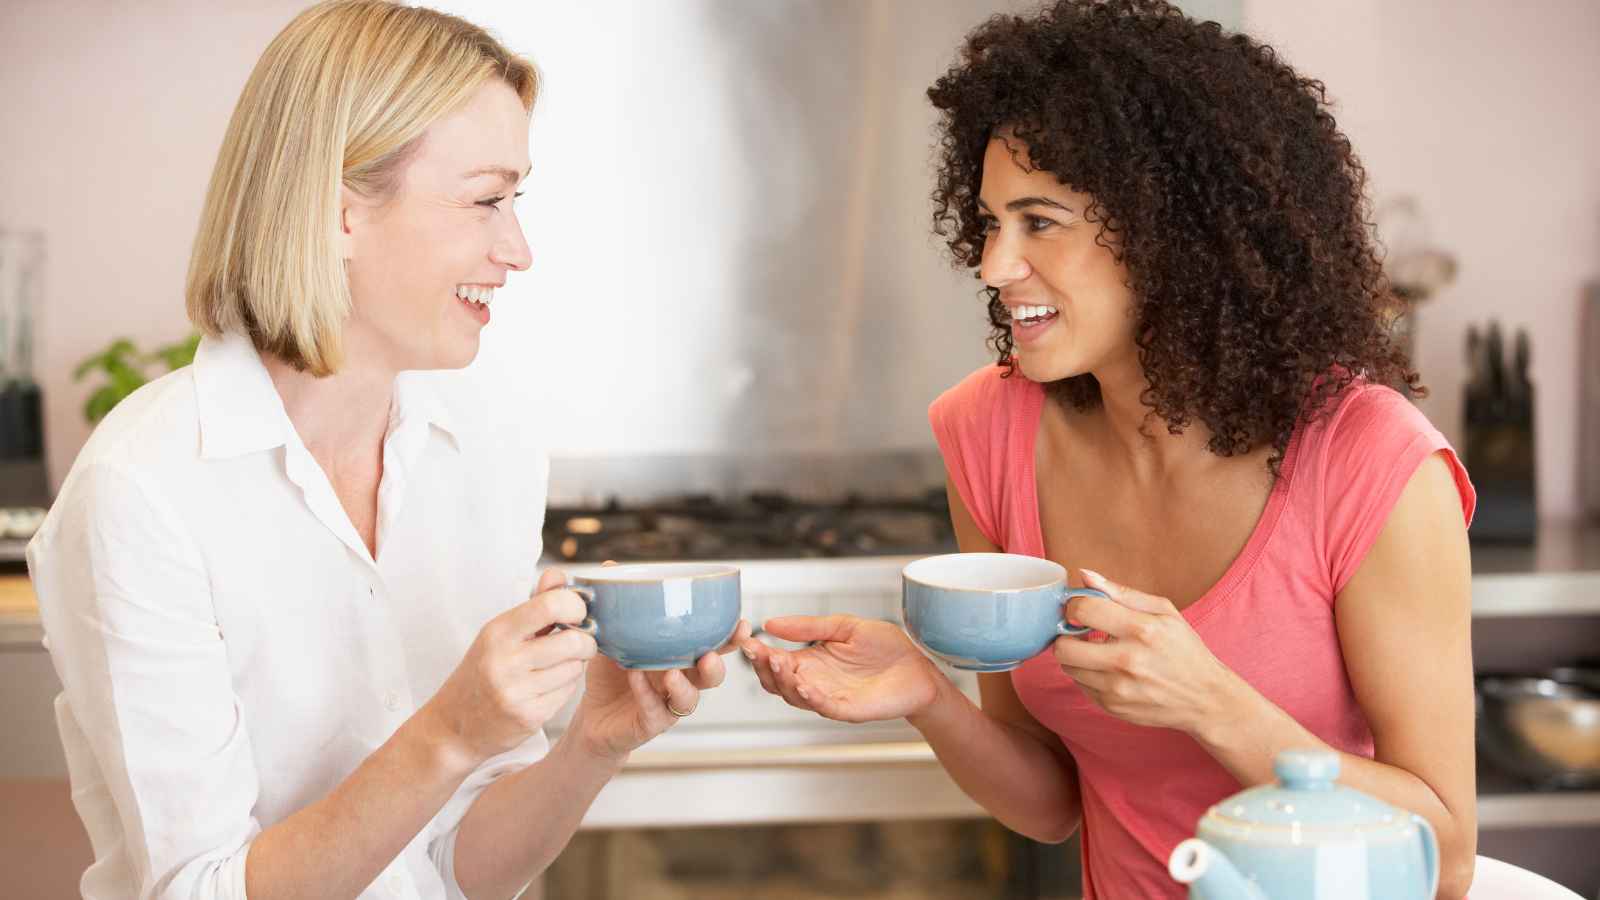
(1306, 804)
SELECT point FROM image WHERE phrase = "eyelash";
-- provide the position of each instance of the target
(493, 202)
(1035, 223)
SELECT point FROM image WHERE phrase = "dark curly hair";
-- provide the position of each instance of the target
(1218, 178)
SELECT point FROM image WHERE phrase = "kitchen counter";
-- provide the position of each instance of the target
(1558, 576)
(19, 612)
(713, 777)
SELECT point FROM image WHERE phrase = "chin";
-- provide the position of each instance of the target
(453, 357)
(1045, 371)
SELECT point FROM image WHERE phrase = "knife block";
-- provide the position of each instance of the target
(1499, 453)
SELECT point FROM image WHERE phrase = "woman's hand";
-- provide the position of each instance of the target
(1153, 669)
(518, 673)
(856, 670)
(622, 709)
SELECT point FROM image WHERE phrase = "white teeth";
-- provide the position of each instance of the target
(1025, 313)
(475, 294)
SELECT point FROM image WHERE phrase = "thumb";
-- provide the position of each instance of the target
(1127, 596)
(549, 580)
(805, 629)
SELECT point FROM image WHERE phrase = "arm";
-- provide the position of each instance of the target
(1000, 755)
(1404, 629)
(515, 829)
(859, 671)
(127, 607)
(1404, 625)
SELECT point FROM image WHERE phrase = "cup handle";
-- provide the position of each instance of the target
(1067, 629)
(588, 626)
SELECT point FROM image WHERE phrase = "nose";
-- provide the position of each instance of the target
(1003, 262)
(511, 246)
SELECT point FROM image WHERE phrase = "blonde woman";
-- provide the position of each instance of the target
(286, 588)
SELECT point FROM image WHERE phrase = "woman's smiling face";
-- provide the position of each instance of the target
(1068, 296)
(424, 261)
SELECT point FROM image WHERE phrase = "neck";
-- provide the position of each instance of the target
(1140, 437)
(340, 414)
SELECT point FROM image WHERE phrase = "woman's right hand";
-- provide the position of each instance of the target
(518, 673)
(855, 670)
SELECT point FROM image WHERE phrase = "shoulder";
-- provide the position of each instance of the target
(984, 397)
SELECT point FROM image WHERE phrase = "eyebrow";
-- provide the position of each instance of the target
(1025, 202)
(510, 175)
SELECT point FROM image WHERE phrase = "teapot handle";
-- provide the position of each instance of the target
(1430, 854)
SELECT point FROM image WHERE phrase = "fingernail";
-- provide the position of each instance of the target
(748, 653)
(804, 694)
(1092, 575)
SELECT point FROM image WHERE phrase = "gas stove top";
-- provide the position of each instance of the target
(754, 526)
(796, 557)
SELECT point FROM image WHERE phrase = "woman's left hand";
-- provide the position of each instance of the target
(621, 708)
(1152, 669)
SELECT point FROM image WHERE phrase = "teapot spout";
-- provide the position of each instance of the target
(1209, 874)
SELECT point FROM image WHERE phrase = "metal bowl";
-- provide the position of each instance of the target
(1544, 728)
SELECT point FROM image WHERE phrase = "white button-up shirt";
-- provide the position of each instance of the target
(229, 649)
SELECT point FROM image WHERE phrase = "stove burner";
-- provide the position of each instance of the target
(757, 526)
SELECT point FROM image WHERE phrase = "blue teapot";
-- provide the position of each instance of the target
(1307, 838)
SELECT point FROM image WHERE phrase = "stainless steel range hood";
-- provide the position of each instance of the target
(729, 215)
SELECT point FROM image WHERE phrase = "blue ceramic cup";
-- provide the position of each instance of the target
(659, 615)
(986, 612)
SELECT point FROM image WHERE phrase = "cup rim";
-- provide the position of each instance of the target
(1060, 578)
(694, 571)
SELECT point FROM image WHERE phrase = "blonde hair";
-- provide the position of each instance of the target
(340, 97)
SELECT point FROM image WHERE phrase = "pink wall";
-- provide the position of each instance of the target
(1486, 111)
(113, 113)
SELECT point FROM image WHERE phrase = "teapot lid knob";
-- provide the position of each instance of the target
(1307, 770)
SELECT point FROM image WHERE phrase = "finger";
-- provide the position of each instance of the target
(788, 686)
(678, 693)
(741, 633)
(1090, 679)
(609, 562)
(708, 672)
(652, 706)
(805, 629)
(1074, 653)
(557, 606)
(759, 655)
(554, 678)
(555, 648)
(816, 698)
(549, 580)
(1127, 596)
(1101, 614)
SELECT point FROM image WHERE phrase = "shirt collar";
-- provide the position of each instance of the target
(240, 411)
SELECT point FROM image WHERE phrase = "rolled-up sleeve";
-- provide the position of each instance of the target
(447, 824)
(128, 616)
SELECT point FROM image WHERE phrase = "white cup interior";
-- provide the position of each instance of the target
(985, 572)
(651, 572)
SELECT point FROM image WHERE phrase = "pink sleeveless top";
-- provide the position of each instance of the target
(1270, 618)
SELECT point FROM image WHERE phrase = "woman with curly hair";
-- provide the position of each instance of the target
(1196, 395)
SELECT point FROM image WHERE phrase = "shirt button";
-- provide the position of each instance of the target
(391, 700)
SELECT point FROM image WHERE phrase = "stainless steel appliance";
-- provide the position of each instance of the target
(24, 488)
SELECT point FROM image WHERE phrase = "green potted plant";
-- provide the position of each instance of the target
(124, 368)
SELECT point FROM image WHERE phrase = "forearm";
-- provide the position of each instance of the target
(338, 845)
(1253, 731)
(521, 823)
(1024, 783)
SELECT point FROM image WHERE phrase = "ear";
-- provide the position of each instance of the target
(352, 214)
